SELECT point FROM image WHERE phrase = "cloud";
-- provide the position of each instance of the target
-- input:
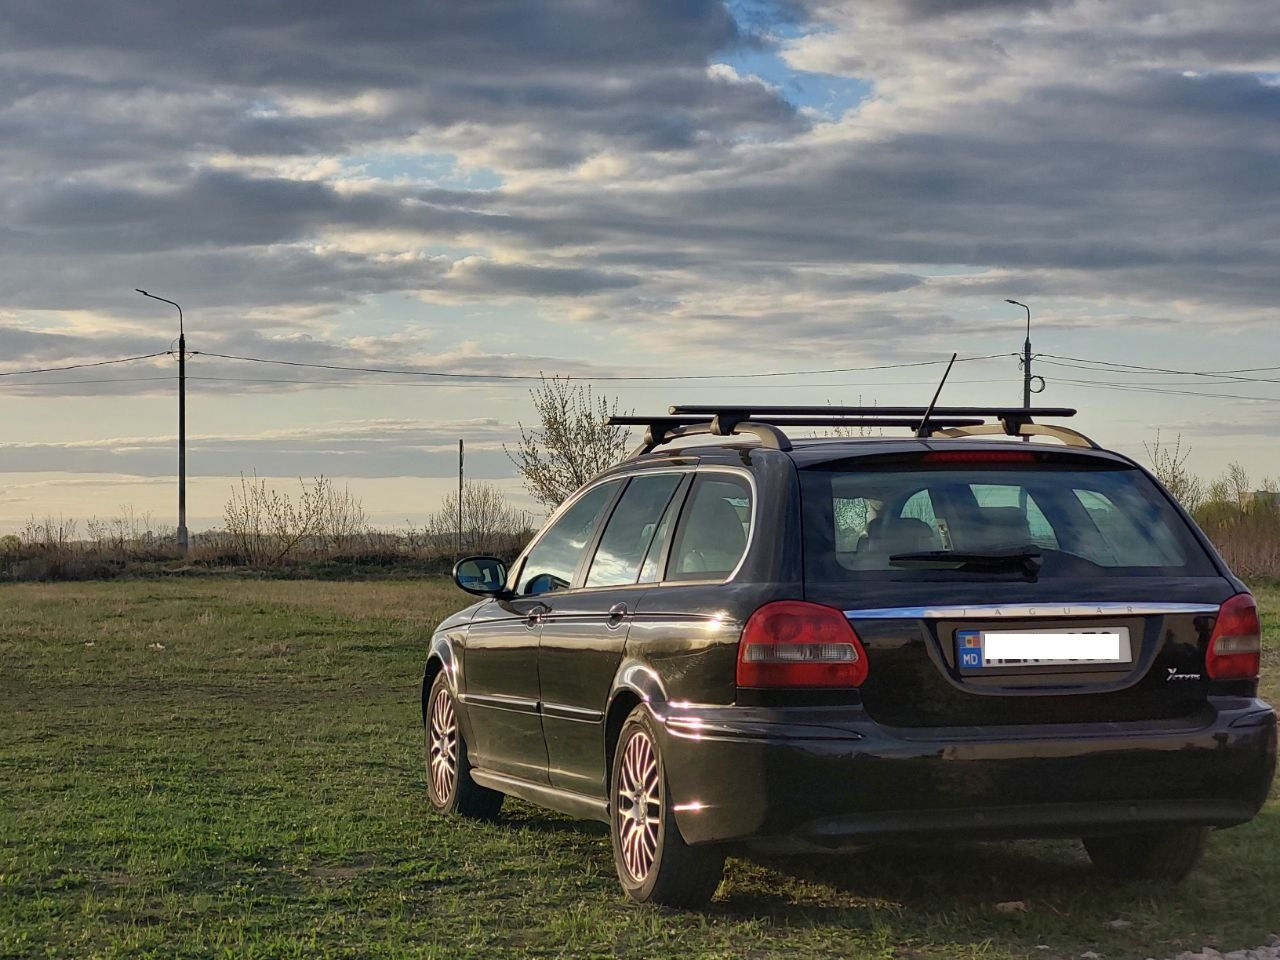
(498, 279)
(370, 448)
(1109, 144)
(304, 179)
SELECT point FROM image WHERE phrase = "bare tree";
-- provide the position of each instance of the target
(52, 533)
(127, 531)
(267, 526)
(1237, 483)
(1169, 464)
(845, 432)
(573, 443)
(341, 522)
(489, 523)
(244, 517)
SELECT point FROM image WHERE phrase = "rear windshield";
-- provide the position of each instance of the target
(901, 522)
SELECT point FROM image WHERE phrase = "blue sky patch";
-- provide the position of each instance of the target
(768, 24)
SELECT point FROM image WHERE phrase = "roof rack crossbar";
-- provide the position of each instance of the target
(681, 419)
(766, 422)
(1011, 418)
(770, 411)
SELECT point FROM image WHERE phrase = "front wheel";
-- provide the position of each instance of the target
(1166, 855)
(449, 784)
(653, 862)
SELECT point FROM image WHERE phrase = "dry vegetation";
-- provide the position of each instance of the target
(320, 530)
(1241, 517)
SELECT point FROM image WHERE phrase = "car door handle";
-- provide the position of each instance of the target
(535, 615)
(616, 614)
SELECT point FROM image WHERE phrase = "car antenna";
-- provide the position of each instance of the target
(922, 431)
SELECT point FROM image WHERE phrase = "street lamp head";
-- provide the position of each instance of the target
(1014, 302)
(141, 291)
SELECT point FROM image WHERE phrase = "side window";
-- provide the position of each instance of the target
(914, 528)
(852, 517)
(1011, 517)
(919, 506)
(1123, 538)
(712, 534)
(553, 560)
(651, 572)
(631, 529)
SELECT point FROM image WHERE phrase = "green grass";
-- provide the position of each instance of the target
(254, 789)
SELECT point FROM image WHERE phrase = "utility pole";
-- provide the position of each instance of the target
(182, 423)
(459, 497)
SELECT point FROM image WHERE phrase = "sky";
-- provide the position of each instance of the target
(616, 188)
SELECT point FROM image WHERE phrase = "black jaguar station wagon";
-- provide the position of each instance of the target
(808, 644)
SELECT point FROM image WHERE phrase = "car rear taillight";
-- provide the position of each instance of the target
(1235, 649)
(791, 643)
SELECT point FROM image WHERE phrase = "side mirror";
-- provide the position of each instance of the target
(483, 576)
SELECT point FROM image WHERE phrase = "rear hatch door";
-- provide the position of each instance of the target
(1041, 588)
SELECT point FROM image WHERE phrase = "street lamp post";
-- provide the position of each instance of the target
(182, 422)
(1026, 359)
(1026, 356)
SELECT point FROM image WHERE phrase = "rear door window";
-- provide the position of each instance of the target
(713, 530)
(631, 529)
(866, 520)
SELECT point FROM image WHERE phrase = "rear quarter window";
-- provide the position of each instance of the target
(714, 528)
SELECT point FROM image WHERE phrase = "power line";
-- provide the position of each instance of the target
(600, 377)
(1108, 365)
(1142, 388)
(81, 366)
(58, 383)
(1138, 366)
(1079, 363)
(1171, 377)
(410, 383)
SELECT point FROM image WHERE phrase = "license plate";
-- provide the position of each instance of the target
(984, 649)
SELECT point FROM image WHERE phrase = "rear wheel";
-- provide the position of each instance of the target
(449, 784)
(1167, 855)
(653, 862)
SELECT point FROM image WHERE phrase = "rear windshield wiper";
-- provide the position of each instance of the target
(1026, 561)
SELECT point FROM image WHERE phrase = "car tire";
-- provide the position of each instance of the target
(653, 862)
(449, 785)
(1166, 855)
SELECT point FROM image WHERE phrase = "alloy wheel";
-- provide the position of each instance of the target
(444, 746)
(639, 806)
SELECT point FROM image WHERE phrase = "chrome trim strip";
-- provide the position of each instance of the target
(562, 711)
(1023, 611)
(496, 702)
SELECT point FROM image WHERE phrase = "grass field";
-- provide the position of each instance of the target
(231, 768)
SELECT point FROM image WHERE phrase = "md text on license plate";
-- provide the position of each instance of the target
(984, 649)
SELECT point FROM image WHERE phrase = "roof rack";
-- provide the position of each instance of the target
(766, 422)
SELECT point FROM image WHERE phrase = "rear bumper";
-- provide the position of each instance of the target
(826, 777)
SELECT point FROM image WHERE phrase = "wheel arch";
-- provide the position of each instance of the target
(636, 683)
(440, 660)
